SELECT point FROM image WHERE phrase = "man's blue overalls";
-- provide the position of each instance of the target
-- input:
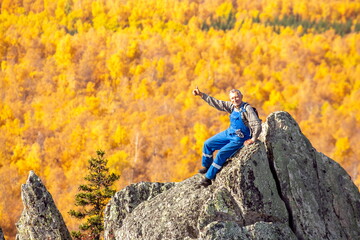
(227, 142)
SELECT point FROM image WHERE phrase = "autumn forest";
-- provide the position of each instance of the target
(81, 75)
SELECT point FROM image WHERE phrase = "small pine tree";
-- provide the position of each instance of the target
(93, 198)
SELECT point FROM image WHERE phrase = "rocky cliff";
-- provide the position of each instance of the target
(278, 188)
(40, 218)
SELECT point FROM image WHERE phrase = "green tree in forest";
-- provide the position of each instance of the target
(93, 197)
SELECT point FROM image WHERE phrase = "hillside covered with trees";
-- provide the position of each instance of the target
(117, 75)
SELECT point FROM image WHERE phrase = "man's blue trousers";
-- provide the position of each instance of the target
(227, 143)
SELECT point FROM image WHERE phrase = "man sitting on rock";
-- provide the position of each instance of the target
(245, 127)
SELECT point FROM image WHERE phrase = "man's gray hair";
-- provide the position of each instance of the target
(235, 91)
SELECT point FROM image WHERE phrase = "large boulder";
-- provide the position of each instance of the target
(277, 188)
(243, 198)
(128, 199)
(40, 218)
(322, 201)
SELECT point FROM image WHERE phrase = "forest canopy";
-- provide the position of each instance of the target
(81, 75)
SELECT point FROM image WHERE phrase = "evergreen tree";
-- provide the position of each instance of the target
(93, 198)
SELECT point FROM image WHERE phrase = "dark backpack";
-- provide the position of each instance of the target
(255, 110)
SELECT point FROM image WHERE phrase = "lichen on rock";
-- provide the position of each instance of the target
(40, 218)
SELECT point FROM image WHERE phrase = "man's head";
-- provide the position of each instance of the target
(236, 97)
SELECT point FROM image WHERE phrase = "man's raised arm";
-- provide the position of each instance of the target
(220, 105)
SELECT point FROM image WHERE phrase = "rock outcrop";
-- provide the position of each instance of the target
(277, 188)
(128, 199)
(40, 218)
(1, 234)
(322, 200)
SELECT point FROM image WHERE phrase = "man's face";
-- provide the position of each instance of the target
(236, 99)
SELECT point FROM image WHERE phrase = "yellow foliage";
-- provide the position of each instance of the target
(120, 136)
(185, 142)
(224, 9)
(342, 148)
(5, 113)
(132, 50)
(93, 104)
(118, 161)
(29, 160)
(63, 53)
(160, 68)
(342, 145)
(77, 75)
(201, 133)
(275, 102)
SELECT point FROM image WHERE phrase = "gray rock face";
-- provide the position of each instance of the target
(40, 218)
(1, 234)
(278, 188)
(322, 200)
(126, 200)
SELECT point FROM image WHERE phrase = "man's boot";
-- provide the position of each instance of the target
(203, 170)
(205, 182)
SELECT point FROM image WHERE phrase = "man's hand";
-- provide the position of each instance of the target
(248, 142)
(197, 92)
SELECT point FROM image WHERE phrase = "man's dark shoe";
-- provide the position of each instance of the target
(205, 182)
(203, 170)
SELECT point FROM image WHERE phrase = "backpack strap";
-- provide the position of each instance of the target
(243, 110)
(243, 107)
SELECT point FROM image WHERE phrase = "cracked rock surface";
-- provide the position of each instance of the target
(40, 218)
(322, 200)
(277, 188)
